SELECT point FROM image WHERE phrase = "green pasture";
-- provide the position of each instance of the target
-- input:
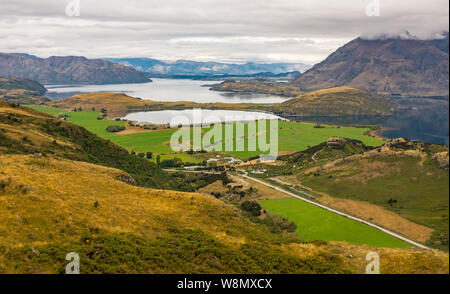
(315, 223)
(292, 136)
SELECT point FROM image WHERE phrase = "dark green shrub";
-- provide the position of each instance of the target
(252, 207)
(115, 129)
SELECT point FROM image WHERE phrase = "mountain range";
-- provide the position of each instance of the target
(183, 67)
(385, 65)
(68, 70)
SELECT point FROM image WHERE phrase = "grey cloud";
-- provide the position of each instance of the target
(237, 31)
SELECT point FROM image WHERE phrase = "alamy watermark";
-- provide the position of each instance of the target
(373, 8)
(373, 267)
(73, 267)
(229, 134)
(73, 8)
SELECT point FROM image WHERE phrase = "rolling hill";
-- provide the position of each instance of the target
(388, 66)
(68, 70)
(257, 86)
(21, 91)
(335, 101)
(55, 200)
(402, 185)
(26, 131)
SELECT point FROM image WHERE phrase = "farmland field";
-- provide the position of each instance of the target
(315, 223)
(293, 136)
(412, 187)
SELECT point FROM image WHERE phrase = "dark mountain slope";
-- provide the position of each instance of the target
(407, 67)
(21, 91)
(13, 83)
(68, 70)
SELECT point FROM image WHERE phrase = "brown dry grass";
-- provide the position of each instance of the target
(118, 105)
(48, 200)
(392, 261)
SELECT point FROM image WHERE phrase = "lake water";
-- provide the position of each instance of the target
(421, 119)
(197, 116)
(166, 90)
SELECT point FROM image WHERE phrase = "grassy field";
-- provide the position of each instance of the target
(293, 136)
(415, 189)
(315, 223)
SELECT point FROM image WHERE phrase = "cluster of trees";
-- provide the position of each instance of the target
(115, 129)
(148, 155)
(104, 114)
(63, 116)
(252, 207)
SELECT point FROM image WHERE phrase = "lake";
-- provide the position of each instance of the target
(194, 117)
(420, 119)
(167, 90)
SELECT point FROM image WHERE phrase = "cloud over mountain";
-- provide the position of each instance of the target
(228, 31)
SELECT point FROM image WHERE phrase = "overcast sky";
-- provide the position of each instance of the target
(210, 30)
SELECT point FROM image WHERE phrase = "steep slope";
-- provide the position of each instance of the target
(406, 179)
(68, 70)
(53, 207)
(13, 83)
(335, 101)
(21, 91)
(118, 228)
(26, 131)
(388, 66)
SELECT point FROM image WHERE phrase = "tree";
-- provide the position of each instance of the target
(115, 129)
(252, 207)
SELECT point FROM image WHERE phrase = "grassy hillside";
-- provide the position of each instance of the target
(53, 201)
(335, 101)
(403, 186)
(118, 228)
(21, 91)
(409, 185)
(12, 83)
(24, 131)
(54, 206)
(118, 105)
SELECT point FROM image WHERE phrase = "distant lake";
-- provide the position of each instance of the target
(421, 119)
(206, 116)
(165, 90)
